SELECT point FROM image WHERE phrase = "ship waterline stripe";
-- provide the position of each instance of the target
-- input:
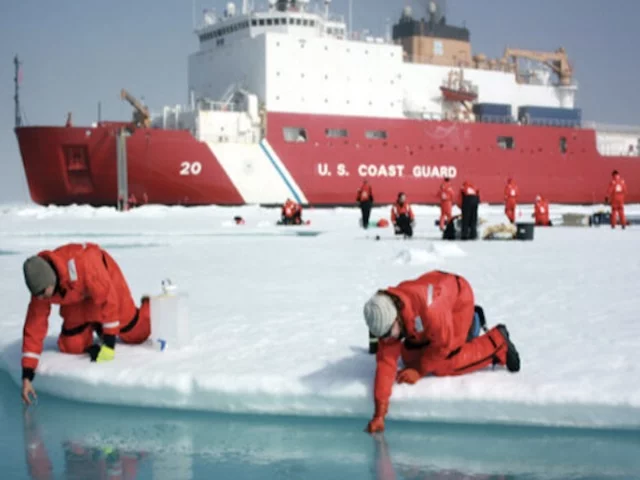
(282, 170)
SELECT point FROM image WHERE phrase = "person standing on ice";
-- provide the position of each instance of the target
(511, 192)
(433, 324)
(445, 195)
(364, 197)
(468, 203)
(615, 197)
(93, 296)
(402, 216)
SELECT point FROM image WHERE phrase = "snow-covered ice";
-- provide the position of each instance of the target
(277, 317)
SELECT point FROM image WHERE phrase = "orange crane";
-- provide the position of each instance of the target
(558, 61)
(141, 115)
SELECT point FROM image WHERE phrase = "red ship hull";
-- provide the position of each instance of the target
(67, 165)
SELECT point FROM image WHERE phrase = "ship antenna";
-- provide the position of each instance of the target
(350, 16)
(16, 97)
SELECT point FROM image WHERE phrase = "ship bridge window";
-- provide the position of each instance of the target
(376, 134)
(261, 22)
(254, 23)
(506, 143)
(563, 144)
(295, 134)
(269, 21)
(336, 132)
(298, 21)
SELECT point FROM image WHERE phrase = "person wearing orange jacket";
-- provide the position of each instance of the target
(615, 197)
(432, 323)
(402, 216)
(468, 202)
(93, 296)
(364, 197)
(541, 212)
(445, 195)
(511, 192)
(291, 213)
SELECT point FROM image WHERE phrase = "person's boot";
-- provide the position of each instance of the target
(513, 358)
(145, 308)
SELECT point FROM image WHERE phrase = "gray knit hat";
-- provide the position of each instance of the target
(38, 274)
(379, 314)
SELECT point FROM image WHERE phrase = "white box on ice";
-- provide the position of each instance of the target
(170, 318)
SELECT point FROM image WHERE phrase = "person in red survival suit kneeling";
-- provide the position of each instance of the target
(431, 322)
(291, 213)
(93, 296)
(541, 212)
(402, 216)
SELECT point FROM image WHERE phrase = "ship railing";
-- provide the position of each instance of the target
(616, 150)
(211, 106)
(612, 128)
(461, 63)
(495, 119)
(505, 119)
(423, 115)
(549, 122)
(464, 86)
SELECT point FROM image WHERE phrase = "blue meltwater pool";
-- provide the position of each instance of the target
(67, 440)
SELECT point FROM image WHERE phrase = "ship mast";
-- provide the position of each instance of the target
(16, 96)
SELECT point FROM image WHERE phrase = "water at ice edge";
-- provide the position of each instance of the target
(339, 382)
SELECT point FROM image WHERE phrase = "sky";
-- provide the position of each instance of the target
(77, 54)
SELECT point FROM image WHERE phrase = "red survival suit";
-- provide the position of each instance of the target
(541, 212)
(291, 213)
(402, 216)
(437, 313)
(615, 196)
(93, 294)
(511, 192)
(445, 195)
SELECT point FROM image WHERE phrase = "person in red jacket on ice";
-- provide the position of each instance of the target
(291, 213)
(541, 212)
(433, 324)
(402, 216)
(445, 195)
(511, 192)
(93, 296)
(364, 197)
(615, 197)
